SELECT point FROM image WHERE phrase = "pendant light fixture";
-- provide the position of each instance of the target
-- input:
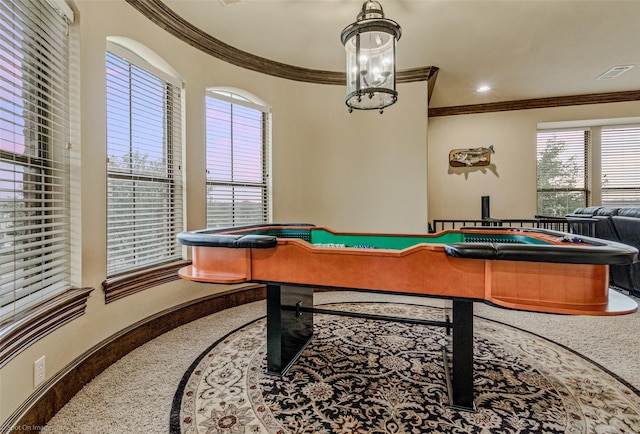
(370, 44)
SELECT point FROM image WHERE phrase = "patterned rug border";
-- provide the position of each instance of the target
(174, 422)
(174, 416)
(567, 348)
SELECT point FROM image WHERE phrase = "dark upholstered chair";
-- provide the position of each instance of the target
(614, 224)
(627, 225)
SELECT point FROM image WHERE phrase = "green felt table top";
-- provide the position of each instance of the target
(322, 237)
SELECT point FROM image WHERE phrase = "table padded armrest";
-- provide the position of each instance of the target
(232, 241)
(471, 250)
(605, 254)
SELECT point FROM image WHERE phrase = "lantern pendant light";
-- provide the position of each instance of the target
(370, 44)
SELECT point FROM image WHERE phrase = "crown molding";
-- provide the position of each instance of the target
(166, 18)
(536, 103)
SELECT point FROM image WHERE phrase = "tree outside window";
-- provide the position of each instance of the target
(562, 175)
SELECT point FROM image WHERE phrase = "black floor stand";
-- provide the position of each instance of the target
(461, 379)
(290, 329)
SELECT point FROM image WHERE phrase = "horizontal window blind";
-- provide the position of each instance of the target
(621, 166)
(237, 137)
(34, 161)
(562, 171)
(144, 201)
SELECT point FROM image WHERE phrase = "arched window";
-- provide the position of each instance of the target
(144, 153)
(238, 143)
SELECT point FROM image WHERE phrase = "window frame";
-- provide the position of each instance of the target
(632, 182)
(246, 100)
(121, 281)
(45, 33)
(35, 107)
(596, 153)
(584, 166)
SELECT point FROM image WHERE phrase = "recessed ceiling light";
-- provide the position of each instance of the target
(483, 89)
(614, 72)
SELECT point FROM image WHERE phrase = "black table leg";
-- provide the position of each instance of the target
(462, 378)
(289, 330)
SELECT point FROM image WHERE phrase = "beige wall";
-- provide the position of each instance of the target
(363, 171)
(510, 180)
(358, 172)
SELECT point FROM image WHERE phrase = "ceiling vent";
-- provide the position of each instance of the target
(615, 72)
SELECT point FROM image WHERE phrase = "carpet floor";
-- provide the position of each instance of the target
(135, 394)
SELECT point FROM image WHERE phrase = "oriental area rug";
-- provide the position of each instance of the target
(367, 376)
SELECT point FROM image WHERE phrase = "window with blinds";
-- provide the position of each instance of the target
(238, 134)
(621, 166)
(144, 198)
(34, 166)
(562, 171)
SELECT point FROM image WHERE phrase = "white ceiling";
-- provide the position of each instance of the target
(521, 48)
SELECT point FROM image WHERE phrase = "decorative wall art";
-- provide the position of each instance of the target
(470, 157)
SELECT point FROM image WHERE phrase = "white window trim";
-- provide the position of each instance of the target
(147, 60)
(254, 102)
(596, 126)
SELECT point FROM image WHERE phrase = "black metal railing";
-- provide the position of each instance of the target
(582, 226)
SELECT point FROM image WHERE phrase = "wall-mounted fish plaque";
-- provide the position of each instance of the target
(470, 157)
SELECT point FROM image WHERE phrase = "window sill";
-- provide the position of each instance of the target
(122, 286)
(38, 322)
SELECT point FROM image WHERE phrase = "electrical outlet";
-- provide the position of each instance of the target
(38, 372)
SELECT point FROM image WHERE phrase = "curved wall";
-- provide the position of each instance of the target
(361, 171)
(364, 172)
